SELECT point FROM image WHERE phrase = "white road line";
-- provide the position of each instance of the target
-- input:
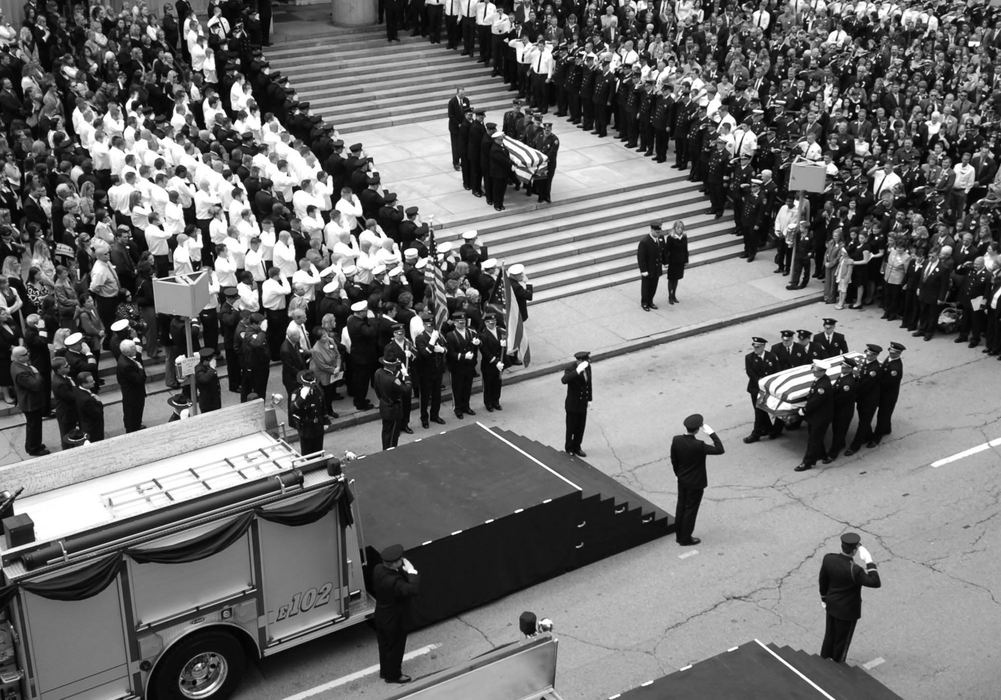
(874, 663)
(691, 553)
(966, 453)
(351, 677)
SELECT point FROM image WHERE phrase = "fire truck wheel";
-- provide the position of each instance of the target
(205, 666)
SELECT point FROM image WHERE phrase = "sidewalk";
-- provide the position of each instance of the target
(607, 322)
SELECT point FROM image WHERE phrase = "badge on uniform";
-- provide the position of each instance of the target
(820, 391)
(872, 374)
(893, 373)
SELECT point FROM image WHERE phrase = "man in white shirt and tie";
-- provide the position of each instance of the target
(966, 177)
(467, 15)
(486, 15)
(884, 179)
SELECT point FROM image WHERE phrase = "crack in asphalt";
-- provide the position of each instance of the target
(473, 627)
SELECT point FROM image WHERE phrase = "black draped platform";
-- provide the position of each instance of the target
(486, 512)
(757, 671)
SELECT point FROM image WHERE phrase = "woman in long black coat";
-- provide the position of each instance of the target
(676, 258)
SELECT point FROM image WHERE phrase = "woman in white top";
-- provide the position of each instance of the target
(182, 256)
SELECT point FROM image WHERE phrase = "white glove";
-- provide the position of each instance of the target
(408, 567)
(439, 349)
(349, 455)
(500, 366)
(476, 341)
(469, 355)
(864, 555)
(434, 336)
(583, 366)
(644, 274)
(707, 429)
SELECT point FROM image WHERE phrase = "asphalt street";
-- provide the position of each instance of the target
(930, 632)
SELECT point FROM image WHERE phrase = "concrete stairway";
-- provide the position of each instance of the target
(589, 242)
(357, 81)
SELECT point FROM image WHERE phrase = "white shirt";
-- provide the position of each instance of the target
(156, 240)
(225, 271)
(308, 280)
(882, 181)
(350, 210)
(965, 176)
(284, 258)
(273, 293)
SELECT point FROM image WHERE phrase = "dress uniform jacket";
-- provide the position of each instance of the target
(209, 391)
(579, 391)
(841, 581)
(836, 345)
(757, 367)
(688, 458)
(91, 412)
(789, 356)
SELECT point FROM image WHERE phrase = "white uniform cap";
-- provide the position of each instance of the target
(497, 135)
(331, 287)
(396, 272)
(445, 247)
(421, 264)
(73, 339)
(489, 263)
(516, 269)
(350, 270)
(120, 325)
(469, 235)
(360, 306)
(411, 254)
(379, 269)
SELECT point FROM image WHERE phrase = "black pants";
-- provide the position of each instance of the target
(544, 186)
(254, 379)
(456, 148)
(491, 384)
(816, 430)
(540, 96)
(451, 31)
(497, 190)
(33, 431)
(928, 317)
(310, 439)
(462, 387)
(132, 411)
(762, 421)
(601, 118)
(486, 42)
(837, 638)
(392, 423)
(106, 308)
(361, 379)
(468, 36)
(884, 426)
(750, 237)
(392, 640)
(434, 13)
(429, 384)
(660, 140)
(800, 271)
(863, 433)
(576, 422)
(717, 195)
(689, 500)
(232, 367)
(839, 427)
(892, 301)
(587, 113)
(648, 289)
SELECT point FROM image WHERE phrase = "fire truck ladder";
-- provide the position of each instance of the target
(197, 481)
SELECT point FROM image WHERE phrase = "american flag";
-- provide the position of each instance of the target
(434, 278)
(517, 338)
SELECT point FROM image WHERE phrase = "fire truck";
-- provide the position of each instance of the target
(157, 565)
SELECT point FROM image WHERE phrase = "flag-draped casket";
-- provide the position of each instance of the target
(528, 164)
(782, 394)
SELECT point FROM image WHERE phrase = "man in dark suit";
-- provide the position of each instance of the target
(132, 381)
(688, 458)
(89, 408)
(491, 362)
(845, 395)
(867, 399)
(788, 353)
(207, 382)
(429, 368)
(32, 398)
(819, 411)
(391, 388)
(650, 257)
(462, 346)
(841, 581)
(890, 375)
(456, 116)
(830, 342)
(932, 289)
(395, 582)
(577, 377)
(760, 363)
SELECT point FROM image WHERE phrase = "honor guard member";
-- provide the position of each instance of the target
(660, 123)
(811, 350)
(604, 90)
(362, 346)
(474, 147)
(463, 145)
(819, 411)
(841, 580)
(229, 321)
(510, 117)
(401, 350)
(463, 347)
(759, 363)
(500, 171)
(561, 68)
(457, 107)
(634, 97)
(868, 398)
(698, 131)
(752, 207)
(533, 124)
(429, 369)
(688, 458)
(550, 147)
(490, 128)
(308, 415)
(492, 343)
(255, 358)
(577, 377)
(391, 387)
(395, 583)
(207, 382)
(845, 396)
(715, 175)
(686, 110)
(471, 251)
(830, 342)
(650, 258)
(648, 99)
(588, 78)
(391, 215)
(788, 353)
(890, 374)
(575, 74)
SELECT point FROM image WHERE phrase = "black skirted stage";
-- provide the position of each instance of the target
(484, 512)
(758, 671)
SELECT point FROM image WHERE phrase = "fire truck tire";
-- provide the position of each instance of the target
(204, 666)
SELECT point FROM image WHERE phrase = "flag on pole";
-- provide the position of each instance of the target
(517, 338)
(435, 279)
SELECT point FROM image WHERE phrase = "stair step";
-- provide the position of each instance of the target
(343, 103)
(422, 72)
(435, 109)
(840, 681)
(345, 45)
(343, 69)
(405, 120)
(444, 76)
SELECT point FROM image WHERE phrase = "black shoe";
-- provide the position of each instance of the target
(477, 194)
(850, 451)
(827, 460)
(775, 435)
(742, 255)
(644, 307)
(498, 407)
(39, 453)
(438, 420)
(652, 305)
(425, 424)
(458, 414)
(407, 429)
(917, 334)
(691, 542)
(751, 438)
(500, 208)
(803, 467)
(402, 678)
(490, 409)
(470, 411)
(580, 453)
(871, 444)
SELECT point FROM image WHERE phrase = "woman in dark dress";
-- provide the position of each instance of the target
(859, 252)
(676, 258)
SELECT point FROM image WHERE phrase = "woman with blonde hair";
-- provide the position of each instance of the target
(676, 257)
